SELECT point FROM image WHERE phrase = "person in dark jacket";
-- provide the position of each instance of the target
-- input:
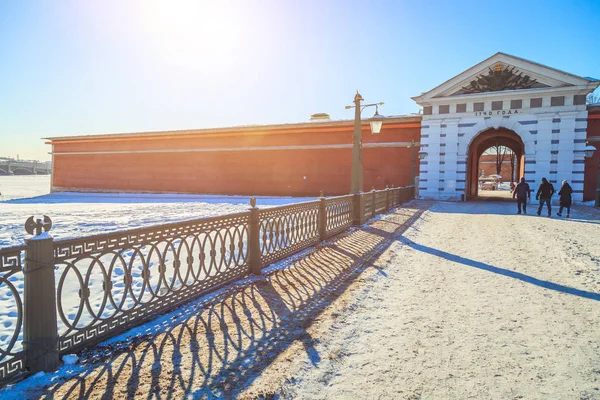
(565, 198)
(544, 194)
(522, 192)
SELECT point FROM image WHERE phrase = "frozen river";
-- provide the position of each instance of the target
(81, 214)
(18, 186)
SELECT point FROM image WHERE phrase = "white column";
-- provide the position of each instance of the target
(543, 148)
(429, 181)
(450, 159)
(566, 148)
(579, 143)
(433, 159)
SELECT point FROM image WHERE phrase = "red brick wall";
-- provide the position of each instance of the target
(489, 166)
(263, 172)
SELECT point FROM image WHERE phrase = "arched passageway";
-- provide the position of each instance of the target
(482, 142)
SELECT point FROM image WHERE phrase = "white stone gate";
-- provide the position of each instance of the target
(542, 105)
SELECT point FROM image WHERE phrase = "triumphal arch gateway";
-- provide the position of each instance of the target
(537, 111)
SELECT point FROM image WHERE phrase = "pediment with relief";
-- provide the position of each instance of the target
(503, 72)
(501, 77)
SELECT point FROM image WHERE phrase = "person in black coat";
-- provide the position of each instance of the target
(565, 198)
(522, 193)
(544, 194)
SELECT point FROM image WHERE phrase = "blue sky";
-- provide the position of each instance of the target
(81, 67)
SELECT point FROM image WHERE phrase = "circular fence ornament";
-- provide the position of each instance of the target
(34, 226)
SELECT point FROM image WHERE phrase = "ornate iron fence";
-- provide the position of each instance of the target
(381, 201)
(368, 204)
(396, 197)
(339, 212)
(12, 356)
(287, 230)
(141, 272)
(67, 294)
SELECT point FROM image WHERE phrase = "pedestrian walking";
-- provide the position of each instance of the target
(522, 193)
(544, 194)
(565, 198)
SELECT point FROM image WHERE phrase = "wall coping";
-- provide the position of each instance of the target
(405, 121)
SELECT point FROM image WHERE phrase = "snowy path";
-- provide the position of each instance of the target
(471, 301)
(476, 302)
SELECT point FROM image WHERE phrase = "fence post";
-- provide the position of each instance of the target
(40, 331)
(416, 187)
(373, 204)
(254, 239)
(387, 198)
(358, 201)
(322, 218)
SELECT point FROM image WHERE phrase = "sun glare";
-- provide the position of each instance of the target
(188, 33)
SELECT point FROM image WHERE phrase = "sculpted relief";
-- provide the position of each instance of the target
(499, 78)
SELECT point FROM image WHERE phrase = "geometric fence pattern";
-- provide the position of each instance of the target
(12, 357)
(108, 283)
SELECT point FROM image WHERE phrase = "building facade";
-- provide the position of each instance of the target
(537, 111)
(280, 160)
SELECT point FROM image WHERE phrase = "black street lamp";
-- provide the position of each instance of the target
(376, 122)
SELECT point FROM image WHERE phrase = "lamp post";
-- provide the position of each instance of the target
(376, 122)
(412, 162)
(589, 153)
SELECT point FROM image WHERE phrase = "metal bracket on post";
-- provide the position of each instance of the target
(322, 218)
(254, 239)
(40, 331)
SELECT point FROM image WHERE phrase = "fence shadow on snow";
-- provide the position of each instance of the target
(219, 347)
(502, 271)
(68, 295)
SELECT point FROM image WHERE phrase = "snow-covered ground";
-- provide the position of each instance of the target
(441, 314)
(472, 302)
(84, 214)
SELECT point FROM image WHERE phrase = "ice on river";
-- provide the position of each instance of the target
(83, 214)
